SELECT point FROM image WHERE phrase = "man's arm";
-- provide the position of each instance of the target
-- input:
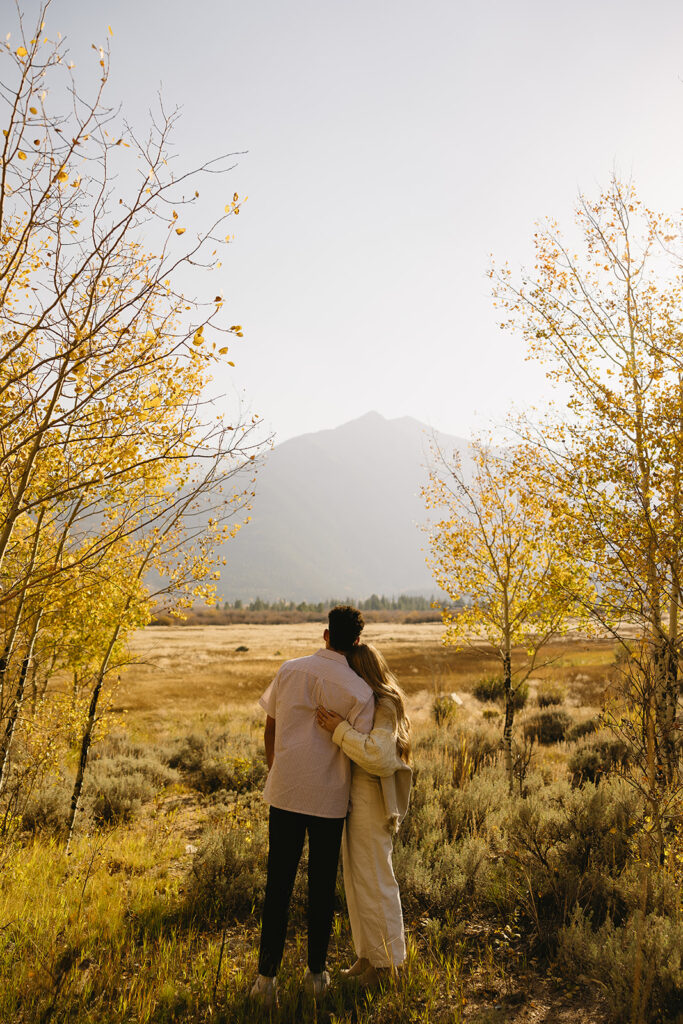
(269, 740)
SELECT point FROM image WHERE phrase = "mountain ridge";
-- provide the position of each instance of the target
(337, 513)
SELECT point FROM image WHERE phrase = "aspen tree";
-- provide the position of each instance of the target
(604, 313)
(111, 460)
(496, 553)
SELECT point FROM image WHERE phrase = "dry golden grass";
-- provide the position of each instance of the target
(183, 670)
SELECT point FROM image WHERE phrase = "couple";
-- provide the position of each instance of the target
(338, 706)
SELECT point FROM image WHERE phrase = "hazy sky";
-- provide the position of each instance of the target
(392, 147)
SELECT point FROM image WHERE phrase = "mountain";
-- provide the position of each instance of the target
(337, 514)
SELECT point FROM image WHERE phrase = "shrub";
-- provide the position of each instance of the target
(491, 689)
(580, 729)
(596, 756)
(639, 963)
(443, 708)
(453, 758)
(228, 873)
(189, 753)
(121, 775)
(144, 763)
(550, 694)
(468, 809)
(478, 747)
(573, 846)
(115, 788)
(48, 806)
(216, 761)
(120, 743)
(433, 874)
(236, 774)
(601, 824)
(547, 726)
(520, 697)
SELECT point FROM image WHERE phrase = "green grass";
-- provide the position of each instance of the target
(101, 936)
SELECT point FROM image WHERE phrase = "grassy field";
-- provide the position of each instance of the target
(197, 668)
(511, 902)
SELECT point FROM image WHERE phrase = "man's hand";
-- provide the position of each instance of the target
(327, 719)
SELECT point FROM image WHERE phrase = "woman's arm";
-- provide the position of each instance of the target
(375, 751)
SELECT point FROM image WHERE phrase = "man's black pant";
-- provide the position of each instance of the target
(287, 831)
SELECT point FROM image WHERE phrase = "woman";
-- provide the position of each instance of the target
(380, 791)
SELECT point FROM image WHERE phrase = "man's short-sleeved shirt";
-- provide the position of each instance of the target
(310, 774)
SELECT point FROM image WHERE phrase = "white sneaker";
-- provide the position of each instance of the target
(316, 984)
(264, 991)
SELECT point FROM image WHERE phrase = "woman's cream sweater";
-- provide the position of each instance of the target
(376, 753)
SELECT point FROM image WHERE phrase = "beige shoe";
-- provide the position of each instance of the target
(356, 969)
(369, 978)
(373, 977)
(316, 984)
(264, 991)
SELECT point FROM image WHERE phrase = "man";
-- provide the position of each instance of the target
(308, 791)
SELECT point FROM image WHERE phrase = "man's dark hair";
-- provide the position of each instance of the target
(346, 625)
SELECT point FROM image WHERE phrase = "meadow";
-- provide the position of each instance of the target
(535, 906)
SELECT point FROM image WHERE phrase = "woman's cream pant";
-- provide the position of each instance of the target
(371, 889)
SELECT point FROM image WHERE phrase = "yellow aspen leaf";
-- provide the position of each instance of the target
(62, 176)
(33, 110)
(180, 231)
(230, 362)
(22, 52)
(111, 30)
(222, 351)
(22, 155)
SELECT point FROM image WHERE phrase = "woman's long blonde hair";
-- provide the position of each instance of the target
(369, 664)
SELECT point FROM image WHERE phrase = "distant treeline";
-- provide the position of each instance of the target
(374, 603)
(376, 608)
